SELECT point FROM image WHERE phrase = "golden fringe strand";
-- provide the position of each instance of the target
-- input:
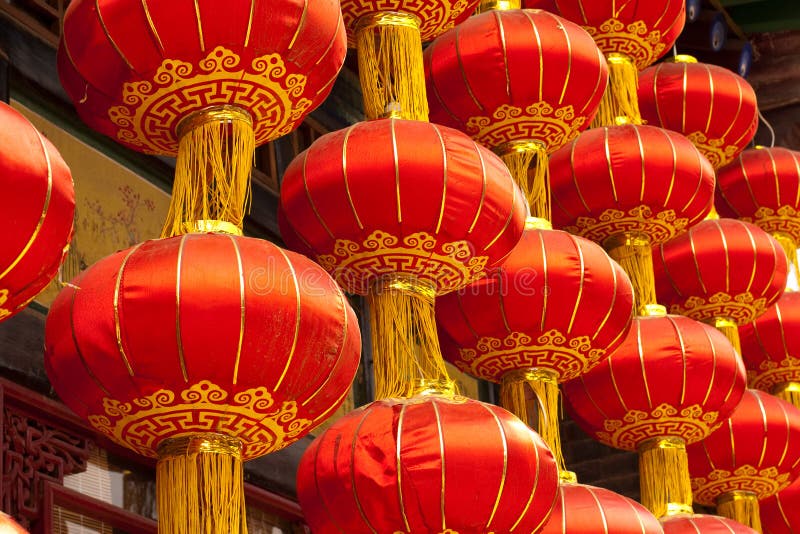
(200, 485)
(741, 506)
(212, 172)
(533, 396)
(634, 254)
(664, 477)
(620, 103)
(390, 66)
(405, 343)
(528, 163)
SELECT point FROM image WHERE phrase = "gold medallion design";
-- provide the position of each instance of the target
(784, 220)
(715, 150)
(150, 111)
(742, 308)
(555, 127)
(251, 416)
(635, 40)
(567, 356)
(3, 299)
(447, 266)
(660, 226)
(771, 373)
(763, 482)
(692, 424)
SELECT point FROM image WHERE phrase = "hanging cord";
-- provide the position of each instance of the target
(769, 127)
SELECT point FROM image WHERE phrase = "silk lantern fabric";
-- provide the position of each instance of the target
(780, 514)
(720, 268)
(756, 450)
(630, 178)
(703, 524)
(643, 31)
(419, 465)
(671, 377)
(399, 196)
(771, 344)
(712, 106)
(202, 333)
(134, 69)
(37, 214)
(762, 186)
(583, 509)
(9, 526)
(516, 75)
(558, 302)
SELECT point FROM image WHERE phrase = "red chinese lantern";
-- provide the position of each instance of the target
(206, 81)
(418, 465)
(37, 215)
(722, 271)
(202, 350)
(9, 526)
(703, 524)
(673, 381)
(632, 35)
(712, 106)
(780, 514)
(583, 509)
(628, 188)
(771, 349)
(553, 310)
(762, 186)
(554, 79)
(402, 211)
(755, 454)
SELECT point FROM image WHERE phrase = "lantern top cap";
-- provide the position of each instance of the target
(682, 58)
(425, 387)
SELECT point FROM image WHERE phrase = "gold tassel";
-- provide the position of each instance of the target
(789, 246)
(731, 331)
(620, 103)
(528, 163)
(405, 344)
(390, 66)
(632, 250)
(788, 391)
(741, 506)
(498, 5)
(533, 396)
(212, 172)
(200, 485)
(664, 477)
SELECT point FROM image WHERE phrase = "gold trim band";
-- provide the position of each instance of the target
(408, 284)
(537, 223)
(429, 386)
(616, 58)
(387, 18)
(724, 322)
(226, 113)
(654, 310)
(664, 442)
(519, 145)
(567, 477)
(205, 226)
(537, 374)
(627, 239)
(681, 58)
(204, 443)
